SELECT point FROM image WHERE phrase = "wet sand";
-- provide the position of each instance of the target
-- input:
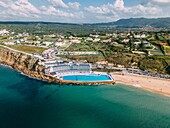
(157, 85)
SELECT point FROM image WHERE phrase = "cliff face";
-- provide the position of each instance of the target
(24, 63)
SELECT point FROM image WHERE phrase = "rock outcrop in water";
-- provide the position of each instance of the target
(29, 66)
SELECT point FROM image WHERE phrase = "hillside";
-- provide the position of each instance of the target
(140, 22)
(86, 28)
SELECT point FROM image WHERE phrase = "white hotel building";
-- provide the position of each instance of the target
(61, 69)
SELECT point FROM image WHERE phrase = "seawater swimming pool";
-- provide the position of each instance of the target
(87, 78)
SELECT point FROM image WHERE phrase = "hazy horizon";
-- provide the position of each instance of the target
(75, 22)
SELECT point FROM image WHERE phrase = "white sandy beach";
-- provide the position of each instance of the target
(161, 86)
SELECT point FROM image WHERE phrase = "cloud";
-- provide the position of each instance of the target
(118, 10)
(50, 12)
(74, 5)
(19, 8)
(58, 3)
(24, 10)
(98, 10)
(4, 4)
(119, 4)
(161, 1)
(24, 6)
(57, 10)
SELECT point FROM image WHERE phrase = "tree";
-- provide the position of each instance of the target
(142, 46)
(168, 69)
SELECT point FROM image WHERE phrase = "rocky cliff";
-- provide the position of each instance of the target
(24, 63)
(29, 66)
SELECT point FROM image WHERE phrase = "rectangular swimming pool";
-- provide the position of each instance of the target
(87, 78)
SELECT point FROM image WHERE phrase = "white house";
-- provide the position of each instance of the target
(9, 43)
(125, 40)
(96, 40)
(57, 44)
(47, 43)
(95, 36)
(4, 31)
(75, 41)
(89, 39)
(137, 36)
(143, 36)
(137, 43)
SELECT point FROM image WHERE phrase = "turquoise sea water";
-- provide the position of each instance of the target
(28, 103)
(88, 78)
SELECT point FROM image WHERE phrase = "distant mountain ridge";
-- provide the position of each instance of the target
(122, 23)
(140, 22)
(35, 22)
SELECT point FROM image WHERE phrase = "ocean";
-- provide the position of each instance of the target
(29, 103)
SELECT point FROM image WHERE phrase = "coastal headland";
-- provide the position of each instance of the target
(30, 66)
(156, 85)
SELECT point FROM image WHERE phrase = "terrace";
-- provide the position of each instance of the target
(76, 72)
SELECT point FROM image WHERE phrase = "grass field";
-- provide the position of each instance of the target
(156, 52)
(29, 49)
(84, 46)
(88, 58)
(166, 58)
(167, 50)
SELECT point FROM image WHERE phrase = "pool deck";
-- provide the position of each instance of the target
(87, 78)
(112, 82)
(97, 82)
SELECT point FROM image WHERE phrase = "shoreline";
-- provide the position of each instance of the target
(148, 83)
(152, 84)
(57, 81)
(29, 66)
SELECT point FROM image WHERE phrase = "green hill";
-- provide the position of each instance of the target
(140, 22)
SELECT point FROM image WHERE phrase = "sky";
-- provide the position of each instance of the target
(81, 11)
